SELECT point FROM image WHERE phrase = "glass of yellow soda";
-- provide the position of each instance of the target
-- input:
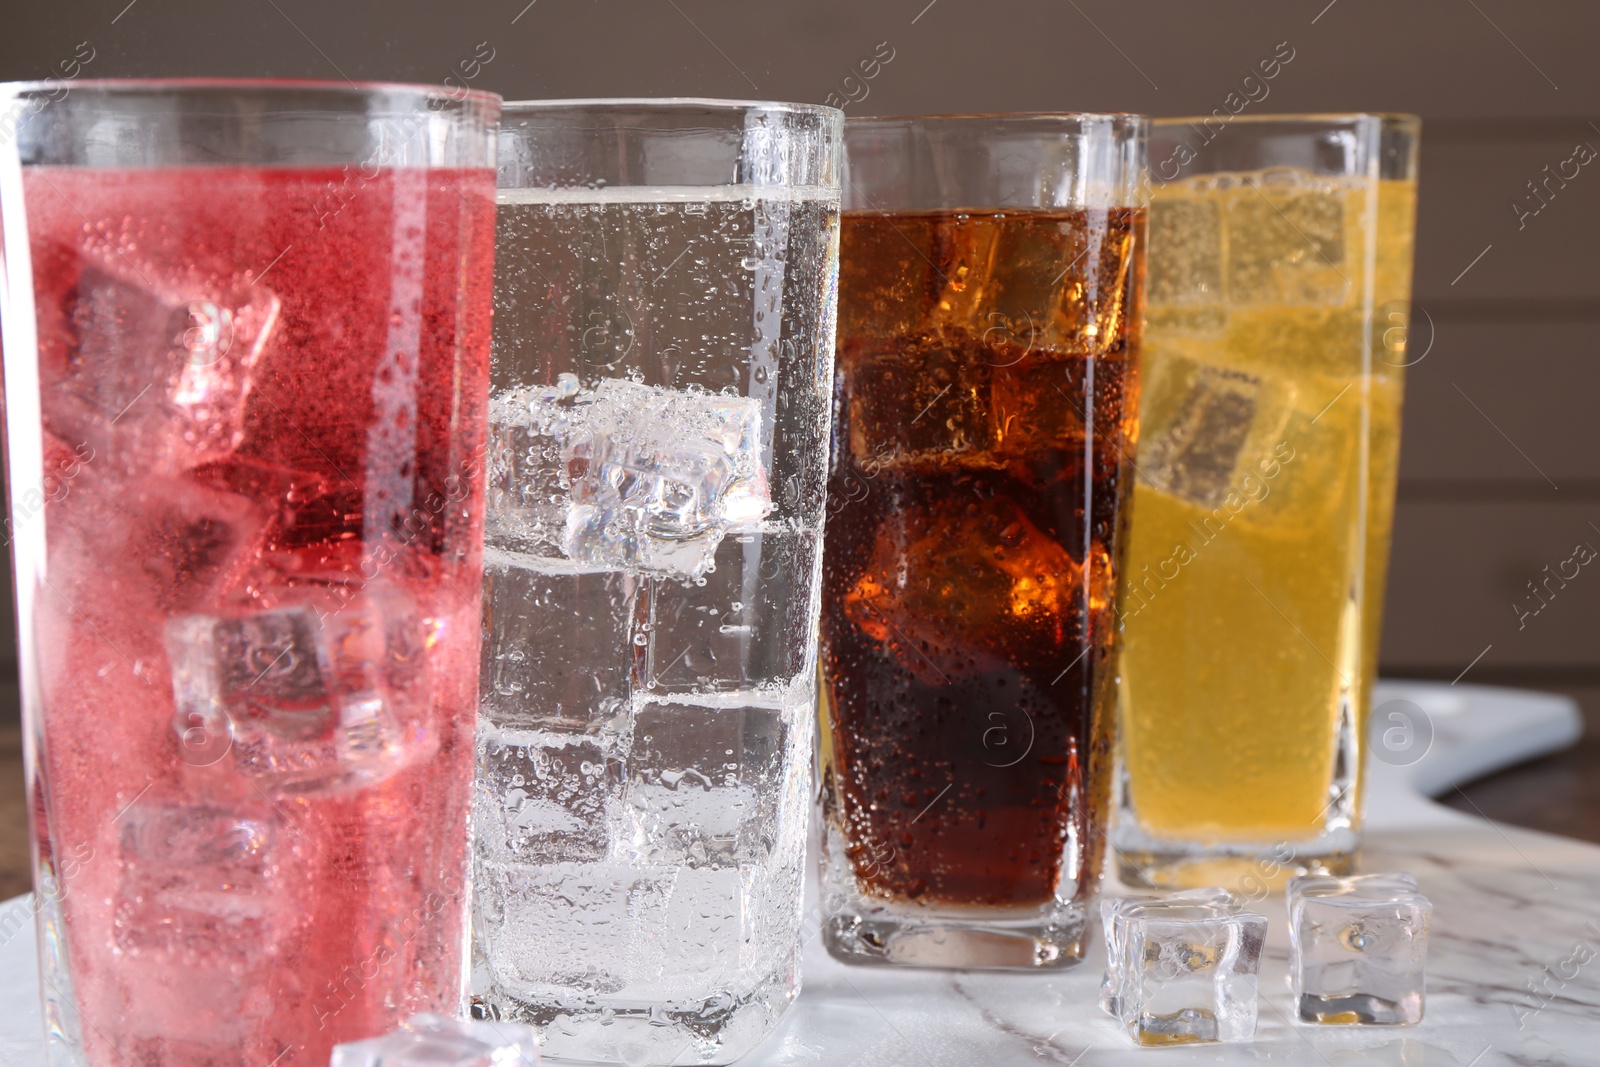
(1252, 597)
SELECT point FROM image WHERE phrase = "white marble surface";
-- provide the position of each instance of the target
(1505, 985)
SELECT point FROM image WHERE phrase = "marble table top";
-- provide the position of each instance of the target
(1513, 968)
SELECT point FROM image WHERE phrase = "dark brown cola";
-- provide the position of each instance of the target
(986, 396)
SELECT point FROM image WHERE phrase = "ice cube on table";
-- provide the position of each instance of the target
(1286, 241)
(1358, 948)
(429, 1040)
(159, 369)
(545, 797)
(1188, 971)
(199, 882)
(1114, 913)
(307, 702)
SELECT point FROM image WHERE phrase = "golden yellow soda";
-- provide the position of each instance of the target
(1259, 532)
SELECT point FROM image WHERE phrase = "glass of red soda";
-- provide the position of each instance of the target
(246, 339)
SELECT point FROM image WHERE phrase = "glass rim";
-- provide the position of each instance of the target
(666, 104)
(1128, 117)
(179, 87)
(1303, 118)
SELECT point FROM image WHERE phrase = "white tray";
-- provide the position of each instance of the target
(1508, 904)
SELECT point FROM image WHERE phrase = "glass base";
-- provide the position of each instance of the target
(716, 1030)
(864, 928)
(1038, 939)
(1252, 870)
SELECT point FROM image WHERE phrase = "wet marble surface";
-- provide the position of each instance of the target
(1513, 970)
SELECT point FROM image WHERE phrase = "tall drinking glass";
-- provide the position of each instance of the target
(663, 348)
(990, 291)
(1280, 275)
(246, 331)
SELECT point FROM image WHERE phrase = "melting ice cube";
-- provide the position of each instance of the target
(1359, 947)
(307, 702)
(1114, 915)
(1188, 971)
(157, 371)
(638, 477)
(429, 1040)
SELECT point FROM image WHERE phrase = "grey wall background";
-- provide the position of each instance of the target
(1501, 465)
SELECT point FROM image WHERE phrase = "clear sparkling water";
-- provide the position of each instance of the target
(659, 418)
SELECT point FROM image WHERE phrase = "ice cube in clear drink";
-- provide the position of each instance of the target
(429, 1040)
(1358, 948)
(558, 649)
(703, 785)
(663, 475)
(529, 486)
(308, 701)
(545, 797)
(624, 476)
(1189, 971)
(157, 370)
(528, 917)
(198, 882)
(742, 625)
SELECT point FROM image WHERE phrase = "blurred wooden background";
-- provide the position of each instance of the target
(1500, 473)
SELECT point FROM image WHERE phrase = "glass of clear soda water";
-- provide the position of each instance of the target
(659, 420)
